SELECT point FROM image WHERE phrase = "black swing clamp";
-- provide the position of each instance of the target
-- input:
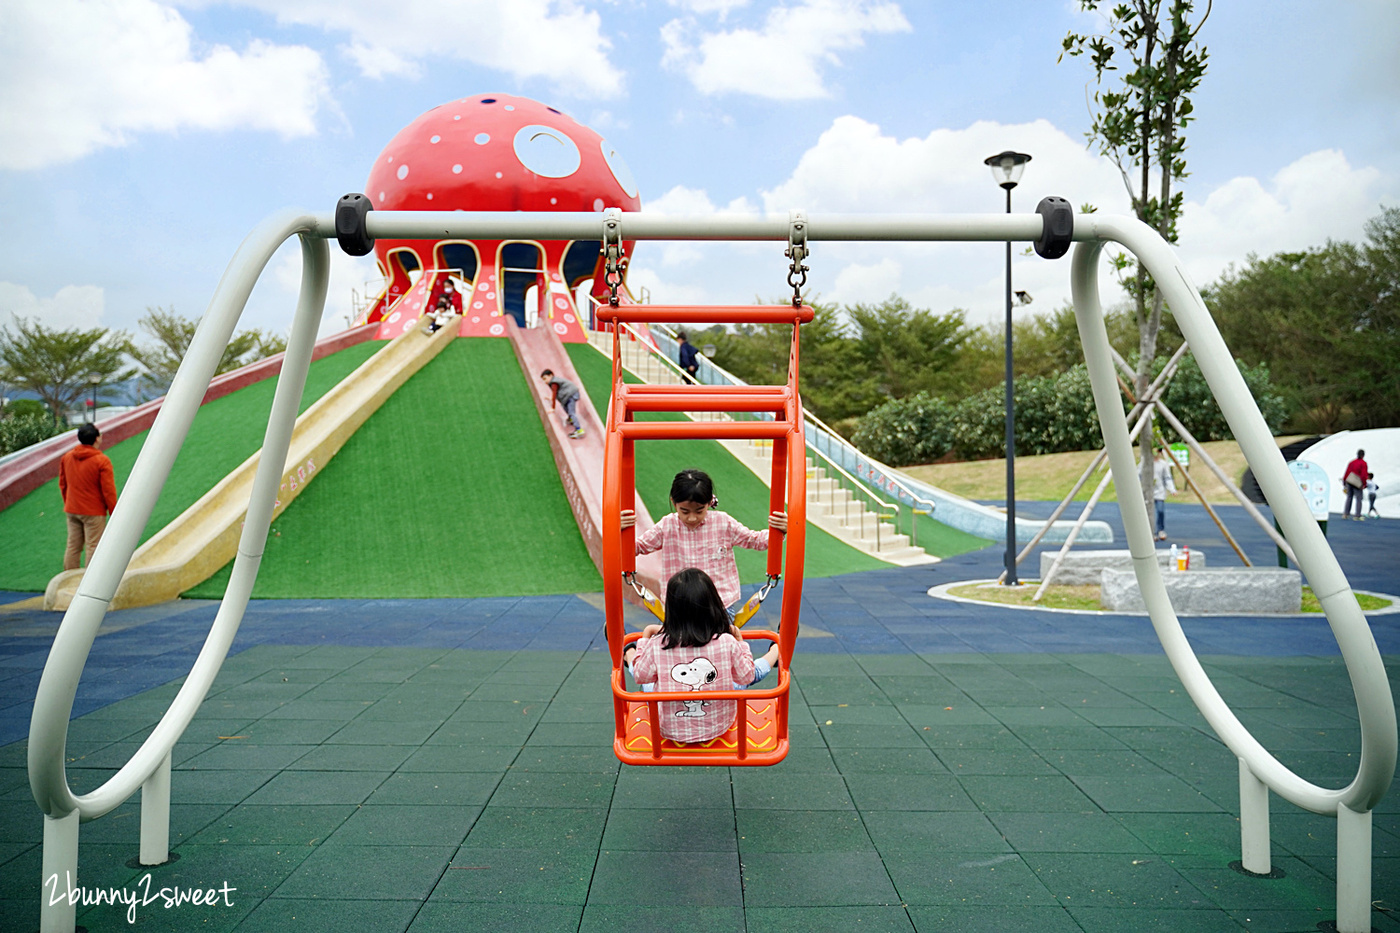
(1058, 231)
(350, 213)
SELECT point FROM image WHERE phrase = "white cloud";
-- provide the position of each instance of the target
(1318, 197)
(275, 307)
(786, 58)
(683, 200)
(70, 306)
(866, 282)
(719, 7)
(557, 40)
(854, 167)
(76, 77)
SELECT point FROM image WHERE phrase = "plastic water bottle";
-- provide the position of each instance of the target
(1176, 561)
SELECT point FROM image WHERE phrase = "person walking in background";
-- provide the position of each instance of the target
(1372, 488)
(1162, 484)
(689, 363)
(1354, 479)
(89, 491)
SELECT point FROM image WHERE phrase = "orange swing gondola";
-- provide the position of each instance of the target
(759, 735)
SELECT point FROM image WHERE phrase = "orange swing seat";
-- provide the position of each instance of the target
(759, 735)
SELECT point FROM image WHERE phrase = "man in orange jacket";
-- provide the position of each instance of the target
(89, 494)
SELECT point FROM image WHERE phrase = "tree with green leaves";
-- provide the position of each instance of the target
(1326, 321)
(55, 364)
(172, 335)
(908, 349)
(1139, 120)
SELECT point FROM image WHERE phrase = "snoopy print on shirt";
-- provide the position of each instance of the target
(694, 675)
(723, 664)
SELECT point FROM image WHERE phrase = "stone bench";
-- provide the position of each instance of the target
(1248, 590)
(1087, 567)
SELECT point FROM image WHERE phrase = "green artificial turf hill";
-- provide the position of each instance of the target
(448, 490)
(224, 433)
(740, 492)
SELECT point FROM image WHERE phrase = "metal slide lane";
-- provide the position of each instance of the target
(580, 460)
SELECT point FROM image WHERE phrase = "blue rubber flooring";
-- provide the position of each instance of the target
(435, 764)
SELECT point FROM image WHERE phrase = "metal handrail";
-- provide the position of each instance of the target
(916, 500)
(860, 488)
(824, 429)
(855, 485)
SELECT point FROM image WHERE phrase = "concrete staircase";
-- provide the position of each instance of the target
(831, 506)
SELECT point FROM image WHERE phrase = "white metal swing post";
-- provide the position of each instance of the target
(149, 768)
(1259, 770)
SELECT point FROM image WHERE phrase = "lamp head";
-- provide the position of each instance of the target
(1007, 167)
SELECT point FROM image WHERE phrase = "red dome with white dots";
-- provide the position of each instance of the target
(499, 153)
(495, 152)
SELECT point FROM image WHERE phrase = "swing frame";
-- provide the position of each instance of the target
(759, 735)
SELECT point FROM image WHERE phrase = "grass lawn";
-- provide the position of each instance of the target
(1086, 597)
(448, 490)
(224, 433)
(1049, 477)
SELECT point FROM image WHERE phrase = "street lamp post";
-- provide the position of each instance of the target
(1006, 171)
(94, 380)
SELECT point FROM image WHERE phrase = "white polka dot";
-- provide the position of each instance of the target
(510, 106)
(430, 195)
(381, 196)
(403, 173)
(393, 318)
(490, 296)
(597, 202)
(483, 286)
(457, 117)
(497, 330)
(553, 200)
(478, 304)
(560, 328)
(555, 276)
(499, 175)
(569, 318)
(390, 159)
(481, 139)
(407, 326)
(476, 319)
(456, 170)
(435, 140)
(561, 302)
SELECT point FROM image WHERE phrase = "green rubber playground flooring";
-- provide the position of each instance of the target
(224, 433)
(476, 790)
(448, 490)
(741, 493)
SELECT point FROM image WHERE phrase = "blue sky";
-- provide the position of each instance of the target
(141, 140)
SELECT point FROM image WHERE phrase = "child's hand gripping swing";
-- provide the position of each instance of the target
(690, 514)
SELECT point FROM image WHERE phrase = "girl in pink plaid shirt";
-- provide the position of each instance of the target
(698, 649)
(698, 535)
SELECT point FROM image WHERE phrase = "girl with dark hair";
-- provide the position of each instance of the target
(697, 534)
(697, 649)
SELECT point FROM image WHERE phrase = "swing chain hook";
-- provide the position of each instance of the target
(763, 590)
(613, 252)
(630, 577)
(797, 251)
